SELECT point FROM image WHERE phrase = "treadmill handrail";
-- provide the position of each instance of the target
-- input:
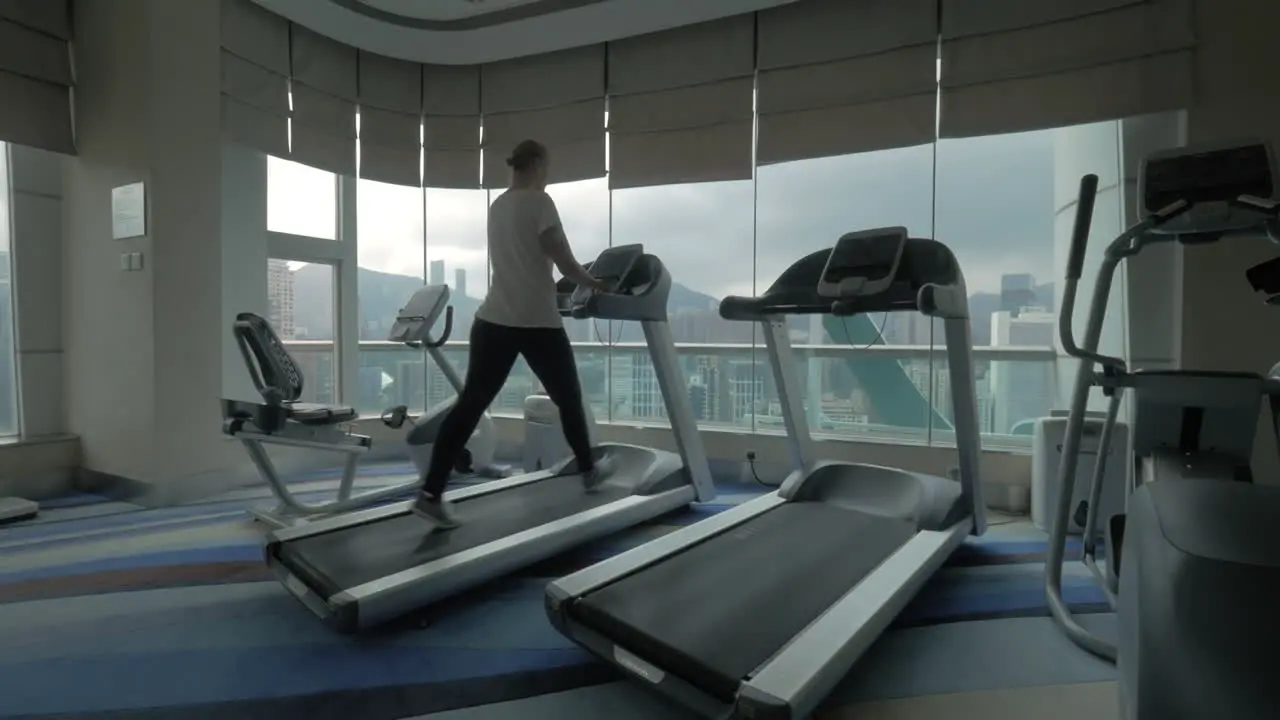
(801, 302)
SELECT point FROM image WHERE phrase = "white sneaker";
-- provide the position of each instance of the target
(599, 472)
(438, 512)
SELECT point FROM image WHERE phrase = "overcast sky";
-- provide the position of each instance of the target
(994, 207)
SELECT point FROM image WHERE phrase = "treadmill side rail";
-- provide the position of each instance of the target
(395, 595)
(575, 585)
(382, 512)
(795, 680)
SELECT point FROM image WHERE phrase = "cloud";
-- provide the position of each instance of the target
(989, 199)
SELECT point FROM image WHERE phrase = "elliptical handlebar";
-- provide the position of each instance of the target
(1075, 268)
(1083, 223)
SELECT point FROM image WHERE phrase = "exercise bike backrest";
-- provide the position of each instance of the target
(273, 370)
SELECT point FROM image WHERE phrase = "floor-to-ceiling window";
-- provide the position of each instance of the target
(865, 375)
(997, 201)
(9, 424)
(703, 234)
(391, 252)
(993, 200)
(302, 207)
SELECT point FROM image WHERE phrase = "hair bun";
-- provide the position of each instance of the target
(511, 162)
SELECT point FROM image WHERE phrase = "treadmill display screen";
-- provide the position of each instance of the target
(615, 264)
(872, 256)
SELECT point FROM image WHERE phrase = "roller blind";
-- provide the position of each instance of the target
(36, 76)
(1010, 67)
(543, 81)
(680, 107)
(846, 76)
(573, 134)
(451, 126)
(390, 119)
(255, 77)
(323, 130)
(555, 98)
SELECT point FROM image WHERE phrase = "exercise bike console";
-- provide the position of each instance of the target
(414, 322)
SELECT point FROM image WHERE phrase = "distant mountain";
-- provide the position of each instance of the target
(383, 294)
(694, 315)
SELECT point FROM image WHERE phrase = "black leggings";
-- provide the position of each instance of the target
(494, 349)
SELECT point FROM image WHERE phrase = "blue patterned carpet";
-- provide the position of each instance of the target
(107, 609)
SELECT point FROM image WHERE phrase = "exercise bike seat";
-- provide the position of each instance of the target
(317, 414)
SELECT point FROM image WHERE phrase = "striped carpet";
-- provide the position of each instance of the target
(111, 610)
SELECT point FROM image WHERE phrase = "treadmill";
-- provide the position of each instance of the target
(758, 612)
(369, 566)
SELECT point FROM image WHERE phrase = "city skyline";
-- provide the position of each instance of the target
(722, 390)
(991, 200)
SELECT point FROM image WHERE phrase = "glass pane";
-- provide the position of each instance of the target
(457, 255)
(301, 309)
(1005, 206)
(301, 200)
(8, 374)
(876, 382)
(703, 233)
(584, 212)
(391, 254)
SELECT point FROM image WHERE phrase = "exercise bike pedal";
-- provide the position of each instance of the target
(394, 417)
(1115, 544)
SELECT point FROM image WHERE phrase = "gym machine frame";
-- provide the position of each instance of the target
(1228, 403)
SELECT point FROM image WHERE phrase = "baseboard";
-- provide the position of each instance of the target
(115, 487)
(39, 468)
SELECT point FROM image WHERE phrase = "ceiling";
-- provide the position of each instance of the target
(464, 32)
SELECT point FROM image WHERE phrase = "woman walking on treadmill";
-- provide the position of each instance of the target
(519, 317)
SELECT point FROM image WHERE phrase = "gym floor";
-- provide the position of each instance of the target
(106, 607)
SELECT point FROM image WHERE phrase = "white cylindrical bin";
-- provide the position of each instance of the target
(544, 443)
(1047, 456)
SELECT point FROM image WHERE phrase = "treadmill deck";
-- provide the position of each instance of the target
(342, 559)
(719, 609)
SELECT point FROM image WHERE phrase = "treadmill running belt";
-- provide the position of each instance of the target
(718, 610)
(335, 561)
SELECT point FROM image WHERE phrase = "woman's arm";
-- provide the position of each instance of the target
(556, 246)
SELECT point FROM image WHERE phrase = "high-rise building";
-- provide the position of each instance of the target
(460, 282)
(1020, 390)
(280, 297)
(1017, 291)
(436, 273)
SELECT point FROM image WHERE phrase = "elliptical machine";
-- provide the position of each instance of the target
(413, 328)
(1192, 568)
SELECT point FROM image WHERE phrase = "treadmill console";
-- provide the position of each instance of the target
(1229, 188)
(863, 263)
(612, 267)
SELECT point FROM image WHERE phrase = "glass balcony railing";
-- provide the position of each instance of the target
(881, 392)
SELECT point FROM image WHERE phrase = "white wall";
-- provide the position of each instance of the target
(107, 318)
(145, 349)
(244, 257)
